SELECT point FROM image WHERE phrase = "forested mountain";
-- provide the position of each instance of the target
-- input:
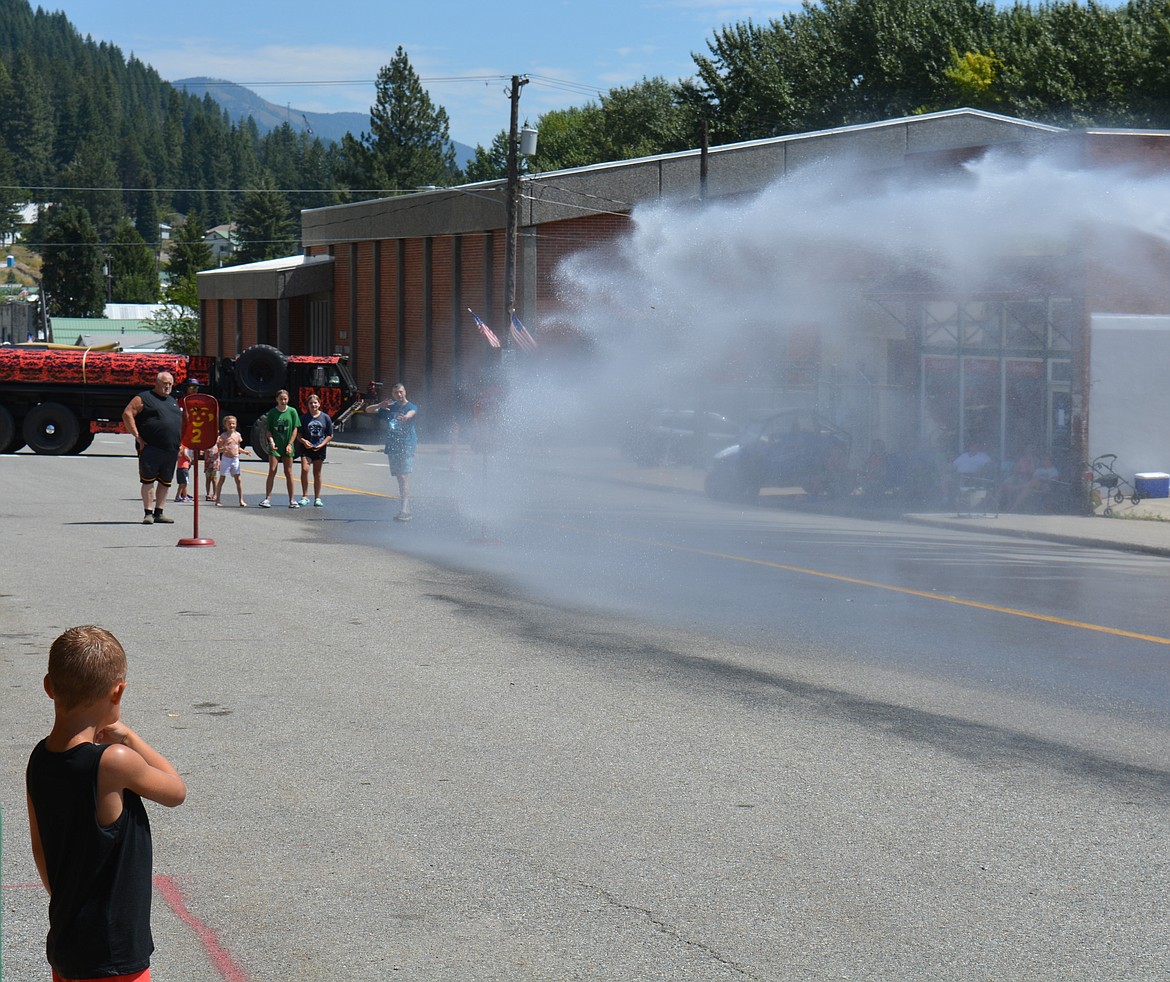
(241, 102)
(84, 125)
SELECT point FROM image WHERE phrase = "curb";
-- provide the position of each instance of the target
(1085, 541)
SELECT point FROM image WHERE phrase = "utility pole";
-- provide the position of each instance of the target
(512, 204)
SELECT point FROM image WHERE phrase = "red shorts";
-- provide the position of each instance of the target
(143, 976)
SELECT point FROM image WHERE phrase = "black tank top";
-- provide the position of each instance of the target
(100, 877)
(160, 421)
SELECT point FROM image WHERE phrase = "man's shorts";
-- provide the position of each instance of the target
(401, 464)
(155, 464)
(313, 453)
(229, 466)
(143, 976)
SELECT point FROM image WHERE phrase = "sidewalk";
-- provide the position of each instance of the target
(1144, 527)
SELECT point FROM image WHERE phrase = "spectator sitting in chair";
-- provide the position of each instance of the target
(972, 462)
(1019, 479)
(1031, 494)
(972, 465)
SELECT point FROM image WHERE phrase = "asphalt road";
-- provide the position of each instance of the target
(551, 729)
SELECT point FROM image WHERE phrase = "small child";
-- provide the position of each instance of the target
(89, 829)
(211, 471)
(182, 473)
(230, 445)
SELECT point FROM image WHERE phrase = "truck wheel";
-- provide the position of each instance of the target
(50, 428)
(85, 440)
(10, 440)
(261, 370)
(259, 440)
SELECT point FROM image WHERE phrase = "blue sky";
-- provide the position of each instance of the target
(464, 52)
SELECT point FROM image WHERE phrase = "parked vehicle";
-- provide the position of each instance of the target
(677, 436)
(791, 448)
(54, 398)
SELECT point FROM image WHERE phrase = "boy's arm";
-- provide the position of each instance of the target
(38, 850)
(133, 763)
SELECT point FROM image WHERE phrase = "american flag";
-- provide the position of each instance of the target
(521, 336)
(484, 329)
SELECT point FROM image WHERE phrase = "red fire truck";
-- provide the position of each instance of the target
(54, 398)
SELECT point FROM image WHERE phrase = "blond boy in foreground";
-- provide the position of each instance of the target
(90, 833)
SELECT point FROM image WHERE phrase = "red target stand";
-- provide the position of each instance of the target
(200, 431)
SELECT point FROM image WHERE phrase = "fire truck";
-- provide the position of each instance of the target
(54, 398)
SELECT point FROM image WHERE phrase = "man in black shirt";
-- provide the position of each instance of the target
(155, 421)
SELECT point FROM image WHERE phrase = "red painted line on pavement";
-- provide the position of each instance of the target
(221, 961)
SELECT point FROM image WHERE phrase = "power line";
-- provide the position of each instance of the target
(127, 190)
(219, 83)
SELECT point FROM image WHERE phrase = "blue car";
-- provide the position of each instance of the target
(786, 449)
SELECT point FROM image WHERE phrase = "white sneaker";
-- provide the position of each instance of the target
(318, 503)
(265, 503)
(293, 504)
(303, 502)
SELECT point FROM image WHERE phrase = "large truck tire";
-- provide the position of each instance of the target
(261, 370)
(85, 440)
(10, 438)
(258, 439)
(51, 428)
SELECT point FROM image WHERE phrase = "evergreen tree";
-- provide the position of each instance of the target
(72, 268)
(266, 227)
(11, 196)
(133, 270)
(91, 181)
(490, 164)
(408, 141)
(351, 168)
(189, 253)
(28, 125)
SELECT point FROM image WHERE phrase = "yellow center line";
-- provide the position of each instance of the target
(840, 578)
(331, 487)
